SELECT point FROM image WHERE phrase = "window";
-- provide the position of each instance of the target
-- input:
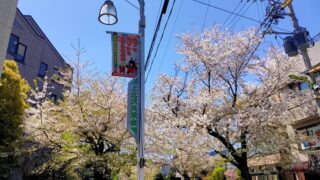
(43, 70)
(317, 77)
(291, 86)
(16, 49)
(13, 44)
(21, 52)
(303, 86)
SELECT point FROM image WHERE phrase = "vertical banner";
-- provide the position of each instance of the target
(125, 54)
(132, 121)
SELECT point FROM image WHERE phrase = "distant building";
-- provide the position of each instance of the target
(37, 57)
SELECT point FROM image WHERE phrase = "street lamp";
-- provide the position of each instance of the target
(108, 16)
(108, 13)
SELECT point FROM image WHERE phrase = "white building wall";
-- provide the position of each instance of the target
(314, 53)
(7, 14)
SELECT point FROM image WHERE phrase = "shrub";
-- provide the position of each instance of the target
(217, 173)
(13, 89)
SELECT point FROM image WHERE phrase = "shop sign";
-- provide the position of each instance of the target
(311, 136)
(299, 166)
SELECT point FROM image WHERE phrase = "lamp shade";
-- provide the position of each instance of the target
(108, 13)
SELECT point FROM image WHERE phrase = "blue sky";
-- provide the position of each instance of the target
(66, 21)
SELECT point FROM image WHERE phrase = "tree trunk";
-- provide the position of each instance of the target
(97, 175)
(245, 173)
(101, 172)
(186, 176)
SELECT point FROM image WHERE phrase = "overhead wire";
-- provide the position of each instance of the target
(258, 8)
(164, 9)
(170, 37)
(261, 6)
(265, 24)
(245, 11)
(159, 10)
(227, 11)
(234, 9)
(262, 24)
(240, 10)
(265, 4)
(169, 41)
(206, 14)
(224, 10)
(132, 4)
(159, 43)
(155, 26)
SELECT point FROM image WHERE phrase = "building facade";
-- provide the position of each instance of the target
(7, 14)
(37, 57)
(306, 127)
(303, 128)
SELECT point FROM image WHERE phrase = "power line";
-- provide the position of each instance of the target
(205, 17)
(169, 41)
(261, 8)
(227, 11)
(159, 43)
(164, 9)
(131, 4)
(155, 25)
(245, 11)
(234, 9)
(230, 12)
(258, 8)
(170, 37)
(238, 12)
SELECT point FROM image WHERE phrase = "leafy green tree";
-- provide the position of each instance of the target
(218, 170)
(218, 173)
(13, 89)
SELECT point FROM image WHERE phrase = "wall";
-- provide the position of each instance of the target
(314, 53)
(7, 14)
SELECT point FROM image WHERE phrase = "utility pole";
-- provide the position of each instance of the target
(298, 42)
(141, 95)
(303, 52)
(275, 11)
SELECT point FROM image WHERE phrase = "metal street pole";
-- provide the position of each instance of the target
(141, 95)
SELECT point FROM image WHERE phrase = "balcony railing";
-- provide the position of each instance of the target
(301, 105)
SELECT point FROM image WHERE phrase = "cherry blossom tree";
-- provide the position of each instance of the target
(85, 133)
(186, 151)
(224, 89)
